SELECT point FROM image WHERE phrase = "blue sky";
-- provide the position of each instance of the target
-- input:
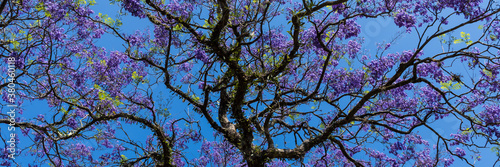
(373, 31)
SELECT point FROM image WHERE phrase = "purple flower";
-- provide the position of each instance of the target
(72, 123)
(201, 55)
(134, 7)
(353, 48)
(397, 146)
(277, 163)
(460, 138)
(404, 19)
(186, 78)
(202, 85)
(491, 114)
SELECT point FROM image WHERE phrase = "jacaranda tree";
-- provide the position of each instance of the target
(272, 83)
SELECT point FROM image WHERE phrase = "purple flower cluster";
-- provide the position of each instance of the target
(181, 9)
(380, 66)
(432, 69)
(186, 67)
(397, 146)
(65, 50)
(460, 138)
(277, 163)
(56, 10)
(402, 18)
(72, 123)
(134, 7)
(343, 81)
(138, 39)
(161, 36)
(203, 85)
(330, 154)
(430, 97)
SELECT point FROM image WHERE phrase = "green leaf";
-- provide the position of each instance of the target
(457, 86)
(467, 131)
(15, 44)
(195, 98)
(442, 36)
(40, 6)
(124, 159)
(64, 110)
(177, 27)
(117, 102)
(487, 73)
(207, 24)
(495, 149)
(48, 14)
(118, 23)
(446, 85)
(109, 21)
(493, 37)
(97, 87)
(134, 75)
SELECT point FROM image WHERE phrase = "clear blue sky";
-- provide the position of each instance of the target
(374, 31)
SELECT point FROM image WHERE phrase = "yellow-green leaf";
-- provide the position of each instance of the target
(446, 85)
(487, 73)
(134, 75)
(457, 86)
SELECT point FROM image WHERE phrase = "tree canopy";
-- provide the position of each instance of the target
(268, 83)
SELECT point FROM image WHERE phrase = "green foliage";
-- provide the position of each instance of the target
(450, 86)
